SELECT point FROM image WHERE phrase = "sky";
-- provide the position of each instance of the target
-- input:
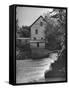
(27, 15)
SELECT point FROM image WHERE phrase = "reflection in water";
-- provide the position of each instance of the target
(33, 70)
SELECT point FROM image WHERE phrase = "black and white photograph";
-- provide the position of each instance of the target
(41, 49)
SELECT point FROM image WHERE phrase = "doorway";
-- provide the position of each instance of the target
(37, 44)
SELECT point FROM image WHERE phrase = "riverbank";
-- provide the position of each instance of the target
(58, 68)
(34, 53)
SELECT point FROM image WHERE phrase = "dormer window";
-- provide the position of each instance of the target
(41, 23)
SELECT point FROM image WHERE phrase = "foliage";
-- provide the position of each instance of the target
(56, 34)
(23, 52)
(25, 31)
(55, 29)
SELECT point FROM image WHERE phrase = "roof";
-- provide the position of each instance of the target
(37, 20)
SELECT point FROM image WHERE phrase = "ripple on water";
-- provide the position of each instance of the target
(33, 70)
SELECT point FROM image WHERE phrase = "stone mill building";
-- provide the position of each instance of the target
(38, 33)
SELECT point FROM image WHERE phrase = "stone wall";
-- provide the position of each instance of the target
(41, 30)
(34, 45)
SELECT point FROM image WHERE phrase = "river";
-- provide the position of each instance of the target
(33, 70)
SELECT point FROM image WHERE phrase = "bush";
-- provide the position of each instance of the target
(23, 52)
(58, 68)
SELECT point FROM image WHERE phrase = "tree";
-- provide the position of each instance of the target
(61, 15)
(55, 28)
(25, 31)
(59, 67)
(17, 29)
(17, 26)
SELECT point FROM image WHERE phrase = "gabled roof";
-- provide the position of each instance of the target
(37, 20)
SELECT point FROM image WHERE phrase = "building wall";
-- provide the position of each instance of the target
(42, 45)
(34, 45)
(41, 30)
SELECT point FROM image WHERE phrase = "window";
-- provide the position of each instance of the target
(41, 38)
(36, 31)
(34, 38)
(41, 23)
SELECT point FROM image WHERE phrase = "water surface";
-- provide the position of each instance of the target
(33, 70)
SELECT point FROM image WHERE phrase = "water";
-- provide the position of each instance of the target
(33, 70)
